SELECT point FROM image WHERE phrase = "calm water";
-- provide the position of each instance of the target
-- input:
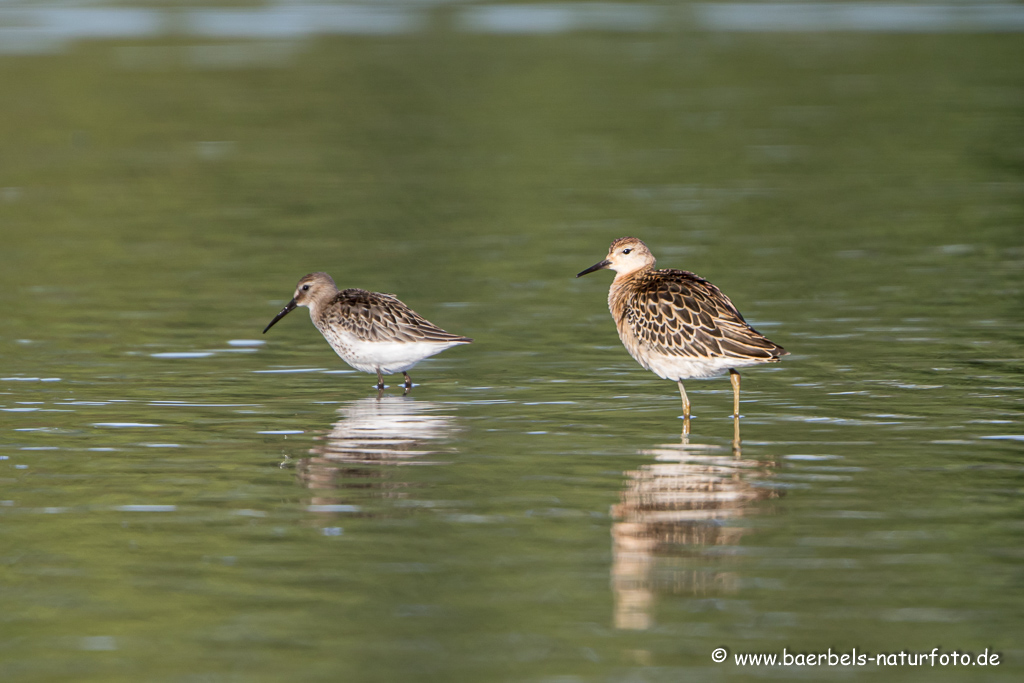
(183, 499)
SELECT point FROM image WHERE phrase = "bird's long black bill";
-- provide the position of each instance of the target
(596, 266)
(284, 311)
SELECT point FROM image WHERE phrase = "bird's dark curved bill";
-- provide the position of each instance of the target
(596, 266)
(284, 311)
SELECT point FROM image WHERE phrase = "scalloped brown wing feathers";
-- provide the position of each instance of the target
(677, 313)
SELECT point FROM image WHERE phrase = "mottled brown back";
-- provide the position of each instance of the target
(376, 317)
(677, 313)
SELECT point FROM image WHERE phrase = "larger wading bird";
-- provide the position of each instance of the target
(677, 324)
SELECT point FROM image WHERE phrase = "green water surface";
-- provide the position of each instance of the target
(185, 500)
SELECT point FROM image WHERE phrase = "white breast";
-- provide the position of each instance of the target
(387, 357)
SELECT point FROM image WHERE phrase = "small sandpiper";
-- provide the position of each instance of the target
(372, 332)
(678, 325)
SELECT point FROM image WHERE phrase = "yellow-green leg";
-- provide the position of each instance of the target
(686, 400)
(686, 407)
(734, 377)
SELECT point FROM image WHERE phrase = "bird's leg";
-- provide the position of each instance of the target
(686, 400)
(684, 438)
(380, 381)
(734, 377)
(686, 407)
(408, 382)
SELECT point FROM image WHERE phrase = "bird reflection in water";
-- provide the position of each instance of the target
(675, 516)
(358, 458)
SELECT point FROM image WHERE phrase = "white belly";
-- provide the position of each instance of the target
(678, 368)
(675, 369)
(386, 357)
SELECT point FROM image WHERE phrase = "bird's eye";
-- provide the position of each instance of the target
(626, 251)
(305, 288)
